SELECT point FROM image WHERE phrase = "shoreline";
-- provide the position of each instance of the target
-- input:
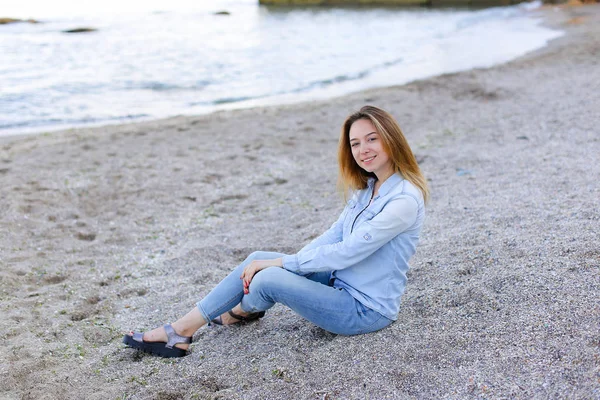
(121, 227)
(338, 90)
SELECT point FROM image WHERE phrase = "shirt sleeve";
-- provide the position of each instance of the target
(396, 217)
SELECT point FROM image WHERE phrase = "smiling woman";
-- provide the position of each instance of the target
(347, 281)
(373, 145)
(368, 151)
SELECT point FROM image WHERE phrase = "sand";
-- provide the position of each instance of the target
(125, 227)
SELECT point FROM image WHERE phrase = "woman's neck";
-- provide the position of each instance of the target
(383, 176)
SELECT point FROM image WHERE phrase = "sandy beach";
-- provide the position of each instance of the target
(108, 229)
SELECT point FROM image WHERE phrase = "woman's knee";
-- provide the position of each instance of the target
(266, 278)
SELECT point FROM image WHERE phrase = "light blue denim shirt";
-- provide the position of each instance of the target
(368, 247)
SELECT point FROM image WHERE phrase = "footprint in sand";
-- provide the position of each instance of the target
(54, 279)
(211, 178)
(86, 236)
(229, 197)
(82, 313)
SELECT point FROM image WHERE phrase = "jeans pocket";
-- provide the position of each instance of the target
(371, 321)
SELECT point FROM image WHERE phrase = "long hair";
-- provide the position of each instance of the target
(353, 177)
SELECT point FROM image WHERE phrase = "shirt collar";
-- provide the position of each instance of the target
(387, 185)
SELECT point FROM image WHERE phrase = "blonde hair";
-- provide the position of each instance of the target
(353, 177)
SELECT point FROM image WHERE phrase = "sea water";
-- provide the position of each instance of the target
(156, 59)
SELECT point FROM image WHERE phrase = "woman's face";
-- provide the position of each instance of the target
(367, 149)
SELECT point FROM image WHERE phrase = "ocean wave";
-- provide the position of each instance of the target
(317, 84)
(226, 100)
(97, 87)
(531, 5)
(323, 83)
(495, 13)
(60, 122)
(157, 86)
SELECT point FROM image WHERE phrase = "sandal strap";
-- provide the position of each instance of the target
(237, 316)
(173, 337)
(249, 317)
(138, 337)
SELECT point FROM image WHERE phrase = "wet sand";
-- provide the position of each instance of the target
(125, 227)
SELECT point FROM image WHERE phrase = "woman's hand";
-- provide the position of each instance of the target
(257, 266)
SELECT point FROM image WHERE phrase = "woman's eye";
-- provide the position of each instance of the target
(372, 139)
(353, 144)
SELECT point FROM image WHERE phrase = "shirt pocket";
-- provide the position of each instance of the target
(365, 216)
(368, 215)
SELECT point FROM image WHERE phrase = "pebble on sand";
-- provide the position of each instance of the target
(5, 21)
(80, 30)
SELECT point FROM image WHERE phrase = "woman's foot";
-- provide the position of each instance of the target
(237, 315)
(159, 340)
(165, 348)
(159, 335)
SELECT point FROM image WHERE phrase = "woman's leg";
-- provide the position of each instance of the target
(229, 292)
(333, 309)
(321, 277)
(226, 295)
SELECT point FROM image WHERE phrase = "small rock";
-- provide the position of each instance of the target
(4, 21)
(222, 13)
(80, 30)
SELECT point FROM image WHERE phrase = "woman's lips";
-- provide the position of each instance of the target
(368, 160)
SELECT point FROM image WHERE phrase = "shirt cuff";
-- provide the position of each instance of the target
(290, 262)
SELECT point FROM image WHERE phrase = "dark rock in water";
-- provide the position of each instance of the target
(4, 21)
(80, 30)
(222, 13)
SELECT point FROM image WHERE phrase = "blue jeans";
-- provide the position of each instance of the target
(330, 308)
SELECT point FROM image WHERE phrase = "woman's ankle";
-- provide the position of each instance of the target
(238, 311)
(189, 323)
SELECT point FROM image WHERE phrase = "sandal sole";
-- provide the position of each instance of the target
(156, 348)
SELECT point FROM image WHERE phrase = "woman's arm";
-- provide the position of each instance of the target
(332, 235)
(396, 217)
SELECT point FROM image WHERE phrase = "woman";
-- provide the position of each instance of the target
(350, 279)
